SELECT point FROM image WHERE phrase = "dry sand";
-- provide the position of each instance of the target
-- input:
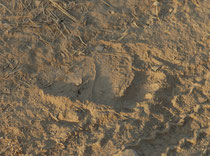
(104, 77)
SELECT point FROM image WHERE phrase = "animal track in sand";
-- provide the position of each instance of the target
(103, 79)
(92, 78)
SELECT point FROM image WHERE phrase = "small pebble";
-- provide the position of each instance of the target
(148, 96)
(99, 48)
(128, 152)
(112, 12)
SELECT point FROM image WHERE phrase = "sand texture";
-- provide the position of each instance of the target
(104, 78)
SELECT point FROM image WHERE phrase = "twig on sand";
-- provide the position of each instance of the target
(124, 34)
(80, 38)
(56, 5)
(44, 41)
(107, 4)
(6, 8)
(156, 4)
(56, 19)
(14, 70)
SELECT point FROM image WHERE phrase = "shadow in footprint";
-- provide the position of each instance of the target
(99, 91)
(135, 92)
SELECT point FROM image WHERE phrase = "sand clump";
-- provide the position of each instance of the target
(99, 77)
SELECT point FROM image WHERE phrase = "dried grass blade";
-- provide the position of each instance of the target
(63, 11)
(6, 8)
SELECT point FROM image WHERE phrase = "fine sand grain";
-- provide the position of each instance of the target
(104, 77)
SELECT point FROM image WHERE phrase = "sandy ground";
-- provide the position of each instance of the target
(104, 77)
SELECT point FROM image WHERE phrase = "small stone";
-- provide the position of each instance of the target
(156, 3)
(134, 24)
(198, 109)
(99, 48)
(75, 79)
(155, 68)
(70, 116)
(195, 125)
(37, 3)
(112, 12)
(127, 152)
(148, 96)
